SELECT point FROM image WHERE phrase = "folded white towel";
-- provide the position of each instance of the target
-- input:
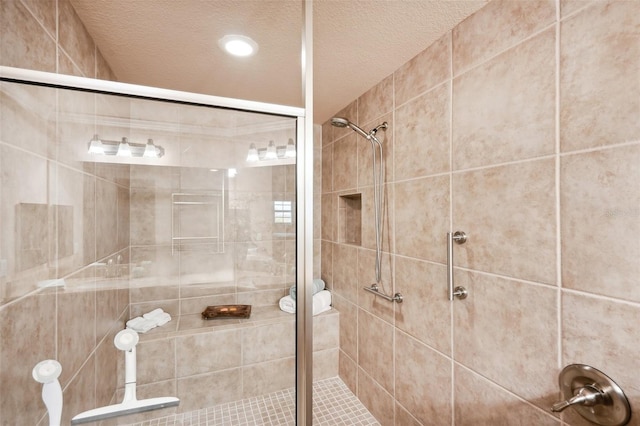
(321, 303)
(146, 322)
(162, 319)
(141, 325)
(155, 313)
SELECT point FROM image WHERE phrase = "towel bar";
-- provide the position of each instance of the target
(374, 289)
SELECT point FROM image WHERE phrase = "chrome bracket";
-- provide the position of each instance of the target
(458, 237)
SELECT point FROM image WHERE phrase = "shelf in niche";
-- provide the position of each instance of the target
(350, 219)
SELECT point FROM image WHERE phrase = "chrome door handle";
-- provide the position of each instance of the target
(458, 237)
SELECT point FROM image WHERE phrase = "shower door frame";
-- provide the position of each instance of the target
(304, 188)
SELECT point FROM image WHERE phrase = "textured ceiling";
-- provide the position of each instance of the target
(173, 44)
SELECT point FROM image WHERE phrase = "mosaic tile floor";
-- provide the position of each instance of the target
(333, 405)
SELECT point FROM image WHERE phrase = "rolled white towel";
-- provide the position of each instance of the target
(287, 304)
(141, 325)
(157, 317)
(321, 303)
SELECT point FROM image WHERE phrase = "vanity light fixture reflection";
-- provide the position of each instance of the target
(124, 148)
(271, 152)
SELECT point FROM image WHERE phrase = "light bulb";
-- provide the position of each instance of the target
(271, 153)
(150, 150)
(291, 149)
(124, 150)
(252, 155)
(95, 146)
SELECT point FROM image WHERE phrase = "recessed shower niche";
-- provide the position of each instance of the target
(350, 219)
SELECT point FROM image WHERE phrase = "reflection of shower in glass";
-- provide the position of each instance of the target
(378, 174)
(126, 340)
(271, 152)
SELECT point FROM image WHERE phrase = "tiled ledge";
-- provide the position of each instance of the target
(193, 324)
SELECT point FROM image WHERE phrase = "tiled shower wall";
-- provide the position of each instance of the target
(520, 127)
(59, 214)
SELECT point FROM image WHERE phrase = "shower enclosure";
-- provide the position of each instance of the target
(121, 199)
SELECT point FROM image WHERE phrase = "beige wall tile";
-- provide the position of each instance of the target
(348, 372)
(106, 369)
(266, 377)
(345, 271)
(348, 326)
(421, 217)
(325, 364)
(507, 210)
(504, 110)
(500, 336)
(208, 352)
(425, 309)
(599, 85)
(26, 116)
(404, 418)
(156, 361)
(258, 342)
(326, 331)
(375, 102)
(568, 7)
(107, 313)
(603, 334)
(424, 71)
(480, 402)
(75, 40)
(196, 392)
(24, 42)
(378, 401)
(419, 371)
(45, 13)
(375, 349)
(106, 218)
(422, 138)
(24, 404)
(345, 163)
(79, 395)
(599, 202)
(496, 27)
(327, 168)
(327, 264)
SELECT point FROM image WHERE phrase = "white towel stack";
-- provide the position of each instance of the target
(146, 322)
(321, 303)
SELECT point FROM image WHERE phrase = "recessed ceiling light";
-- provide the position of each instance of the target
(238, 45)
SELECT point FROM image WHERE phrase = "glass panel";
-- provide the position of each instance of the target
(113, 207)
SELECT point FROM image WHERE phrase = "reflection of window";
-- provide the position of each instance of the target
(282, 211)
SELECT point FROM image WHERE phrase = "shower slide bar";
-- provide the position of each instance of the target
(375, 290)
(458, 237)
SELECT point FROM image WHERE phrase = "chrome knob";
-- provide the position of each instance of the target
(587, 396)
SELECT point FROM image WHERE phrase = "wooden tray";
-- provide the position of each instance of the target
(227, 311)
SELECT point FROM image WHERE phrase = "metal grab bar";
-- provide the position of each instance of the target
(460, 238)
(374, 289)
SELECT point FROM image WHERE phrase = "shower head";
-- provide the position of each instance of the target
(339, 122)
(343, 122)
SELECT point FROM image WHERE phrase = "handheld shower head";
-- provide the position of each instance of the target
(343, 122)
(339, 122)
